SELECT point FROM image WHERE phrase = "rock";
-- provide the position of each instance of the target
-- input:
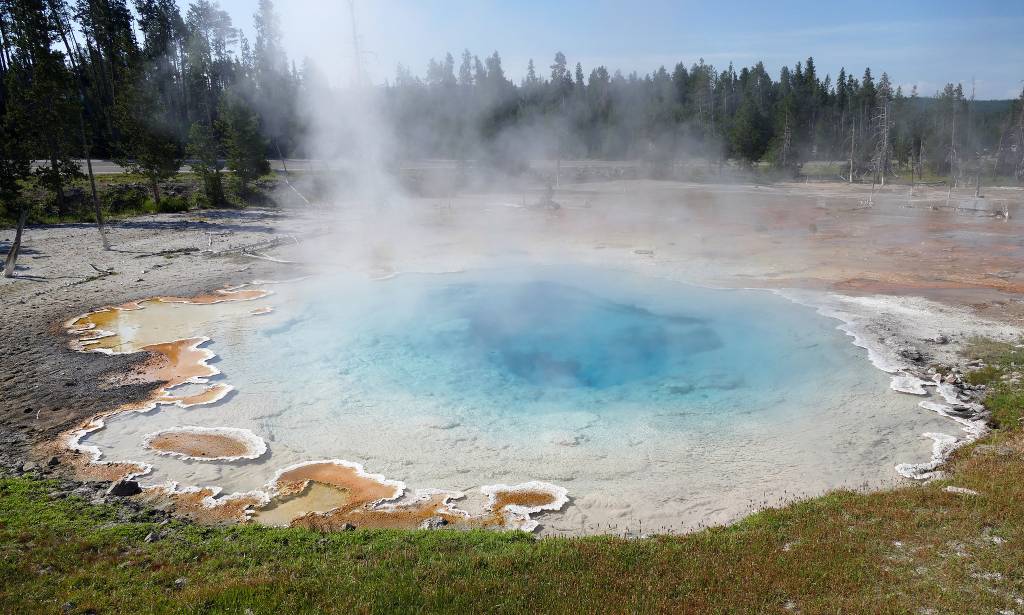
(67, 607)
(124, 488)
(911, 354)
(960, 490)
(433, 523)
(942, 339)
(53, 462)
(1000, 450)
(348, 527)
(180, 583)
(29, 466)
(153, 537)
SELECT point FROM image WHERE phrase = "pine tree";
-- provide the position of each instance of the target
(15, 161)
(750, 133)
(149, 145)
(47, 85)
(206, 151)
(245, 146)
(466, 69)
(531, 75)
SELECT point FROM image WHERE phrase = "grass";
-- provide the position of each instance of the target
(897, 551)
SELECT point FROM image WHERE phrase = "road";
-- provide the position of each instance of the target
(109, 167)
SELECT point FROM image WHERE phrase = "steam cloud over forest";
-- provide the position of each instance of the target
(151, 87)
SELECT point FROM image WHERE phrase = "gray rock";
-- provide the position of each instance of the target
(29, 466)
(180, 583)
(54, 461)
(433, 523)
(124, 488)
(348, 527)
(911, 354)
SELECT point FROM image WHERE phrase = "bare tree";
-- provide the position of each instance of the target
(853, 141)
(883, 126)
(63, 29)
(787, 141)
(952, 160)
(12, 254)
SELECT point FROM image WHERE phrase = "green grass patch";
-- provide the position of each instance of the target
(1002, 372)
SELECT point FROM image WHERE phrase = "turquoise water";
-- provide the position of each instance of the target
(536, 340)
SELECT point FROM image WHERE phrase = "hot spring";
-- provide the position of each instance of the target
(657, 405)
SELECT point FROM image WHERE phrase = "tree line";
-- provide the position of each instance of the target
(149, 86)
(469, 108)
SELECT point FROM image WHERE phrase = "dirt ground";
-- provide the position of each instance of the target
(963, 252)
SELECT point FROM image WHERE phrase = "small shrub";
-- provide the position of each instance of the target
(124, 198)
(172, 205)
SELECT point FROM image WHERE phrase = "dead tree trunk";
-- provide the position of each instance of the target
(76, 66)
(156, 191)
(92, 185)
(12, 254)
(280, 157)
(853, 138)
(952, 160)
(881, 157)
(58, 185)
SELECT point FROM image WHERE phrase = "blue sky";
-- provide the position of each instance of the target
(916, 42)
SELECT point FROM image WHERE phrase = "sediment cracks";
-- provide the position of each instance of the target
(321, 494)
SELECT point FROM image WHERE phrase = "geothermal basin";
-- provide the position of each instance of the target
(654, 405)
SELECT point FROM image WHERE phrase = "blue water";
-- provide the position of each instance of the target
(551, 334)
(542, 340)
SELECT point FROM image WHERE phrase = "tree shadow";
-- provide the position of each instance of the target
(5, 246)
(194, 225)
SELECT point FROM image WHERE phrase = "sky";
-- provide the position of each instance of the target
(922, 43)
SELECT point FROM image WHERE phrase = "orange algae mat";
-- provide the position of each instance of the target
(372, 501)
(324, 495)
